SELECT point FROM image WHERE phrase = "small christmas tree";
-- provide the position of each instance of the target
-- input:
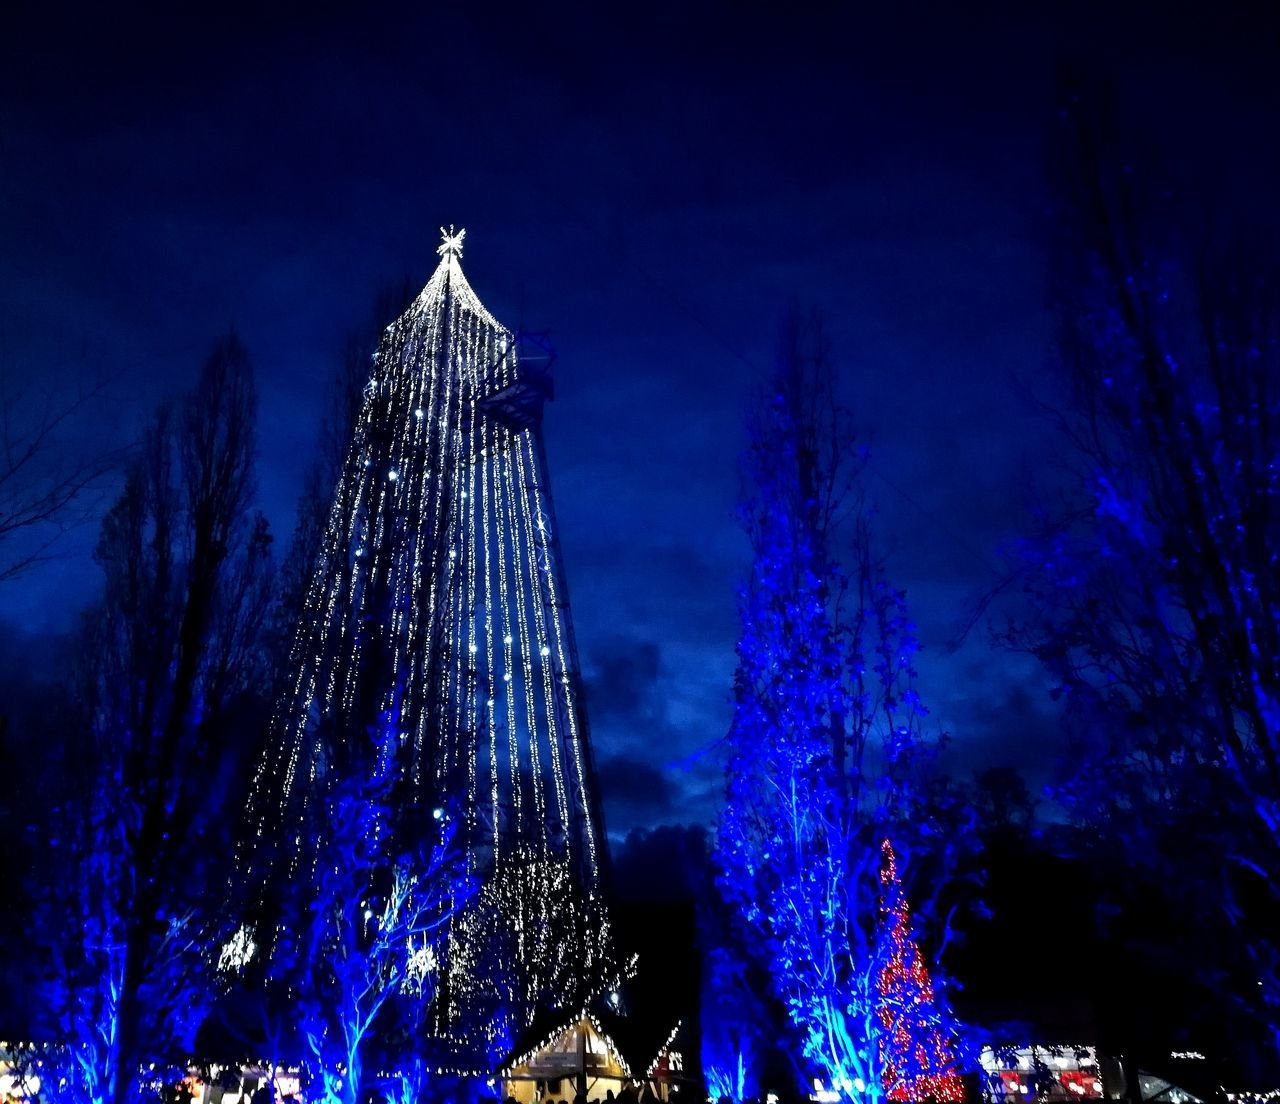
(918, 1044)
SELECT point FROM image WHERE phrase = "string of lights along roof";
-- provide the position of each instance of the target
(438, 605)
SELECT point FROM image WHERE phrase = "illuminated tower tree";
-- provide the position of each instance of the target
(918, 1044)
(436, 646)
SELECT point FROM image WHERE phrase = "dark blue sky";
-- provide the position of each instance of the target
(658, 186)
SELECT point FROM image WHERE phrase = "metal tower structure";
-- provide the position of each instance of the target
(437, 632)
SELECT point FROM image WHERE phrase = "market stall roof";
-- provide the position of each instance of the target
(637, 1038)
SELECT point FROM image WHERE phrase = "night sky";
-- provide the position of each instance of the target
(657, 186)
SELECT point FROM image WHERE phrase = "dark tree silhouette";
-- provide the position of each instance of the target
(1002, 801)
(1154, 593)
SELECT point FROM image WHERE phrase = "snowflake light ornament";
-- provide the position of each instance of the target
(421, 963)
(237, 952)
(451, 245)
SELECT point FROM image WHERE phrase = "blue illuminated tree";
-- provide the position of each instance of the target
(827, 758)
(362, 952)
(730, 1028)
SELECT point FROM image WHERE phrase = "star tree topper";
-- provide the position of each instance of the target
(451, 245)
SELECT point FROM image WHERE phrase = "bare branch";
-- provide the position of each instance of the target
(48, 475)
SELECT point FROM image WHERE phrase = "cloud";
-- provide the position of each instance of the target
(668, 861)
(1002, 716)
(635, 789)
(654, 731)
(620, 685)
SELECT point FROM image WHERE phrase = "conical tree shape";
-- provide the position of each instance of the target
(436, 638)
(917, 1049)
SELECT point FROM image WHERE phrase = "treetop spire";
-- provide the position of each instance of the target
(451, 242)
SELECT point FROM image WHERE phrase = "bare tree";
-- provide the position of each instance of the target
(1153, 594)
